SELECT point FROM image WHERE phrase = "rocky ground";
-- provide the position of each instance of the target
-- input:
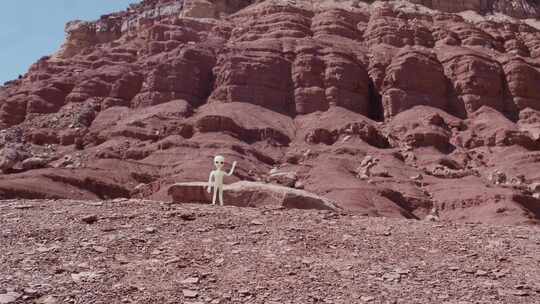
(138, 251)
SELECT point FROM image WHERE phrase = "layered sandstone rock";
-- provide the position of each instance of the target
(428, 86)
(514, 8)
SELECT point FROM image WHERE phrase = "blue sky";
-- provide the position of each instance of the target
(30, 29)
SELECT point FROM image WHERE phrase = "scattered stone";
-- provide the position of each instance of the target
(535, 187)
(417, 177)
(499, 274)
(22, 207)
(244, 292)
(255, 222)
(501, 210)
(9, 297)
(150, 230)
(190, 294)
(481, 273)
(521, 286)
(497, 177)
(367, 299)
(188, 216)
(192, 280)
(47, 300)
(391, 276)
(520, 293)
(119, 200)
(43, 249)
(402, 271)
(364, 170)
(84, 276)
(108, 229)
(90, 219)
(433, 215)
(172, 261)
(30, 291)
(100, 249)
(122, 259)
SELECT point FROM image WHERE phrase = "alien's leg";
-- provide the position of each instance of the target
(221, 195)
(214, 195)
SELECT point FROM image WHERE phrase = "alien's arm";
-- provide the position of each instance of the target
(232, 169)
(210, 180)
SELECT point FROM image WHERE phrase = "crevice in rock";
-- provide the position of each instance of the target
(401, 201)
(510, 109)
(455, 106)
(376, 111)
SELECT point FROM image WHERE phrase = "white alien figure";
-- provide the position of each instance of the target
(216, 178)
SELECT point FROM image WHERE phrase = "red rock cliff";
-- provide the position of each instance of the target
(389, 108)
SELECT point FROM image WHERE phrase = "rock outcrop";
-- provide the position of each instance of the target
(252, 194)
(515, 8)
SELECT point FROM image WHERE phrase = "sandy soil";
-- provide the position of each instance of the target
(132, 251)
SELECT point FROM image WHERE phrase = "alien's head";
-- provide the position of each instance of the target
(219, 161)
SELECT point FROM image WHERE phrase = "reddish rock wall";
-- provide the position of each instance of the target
(316, 91)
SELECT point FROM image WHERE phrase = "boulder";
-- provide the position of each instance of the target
(8, 158)
(252, 194)
(10, 297)
(287, 179)
(34, 163)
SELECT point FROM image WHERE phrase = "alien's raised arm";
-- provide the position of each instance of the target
(232, 169)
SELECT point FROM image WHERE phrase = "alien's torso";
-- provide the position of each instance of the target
(218, 177)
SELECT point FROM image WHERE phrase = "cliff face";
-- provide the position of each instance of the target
(389, 108)
(515, 8)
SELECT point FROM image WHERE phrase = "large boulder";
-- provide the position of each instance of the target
(252, 194)
(8, 158)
